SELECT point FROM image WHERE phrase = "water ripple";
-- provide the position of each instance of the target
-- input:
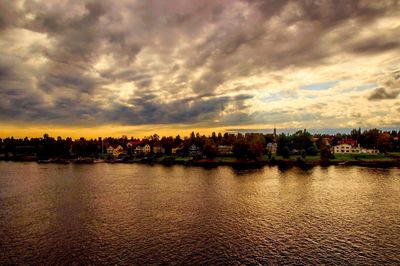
(138, 214)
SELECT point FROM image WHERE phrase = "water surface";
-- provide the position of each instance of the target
(139, 214)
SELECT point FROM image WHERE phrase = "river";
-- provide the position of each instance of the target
(140, 214)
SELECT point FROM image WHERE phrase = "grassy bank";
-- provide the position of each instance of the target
(373, 160)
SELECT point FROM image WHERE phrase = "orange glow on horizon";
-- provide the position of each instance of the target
(22, 131)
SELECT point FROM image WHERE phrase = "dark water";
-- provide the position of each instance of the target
(139, 214)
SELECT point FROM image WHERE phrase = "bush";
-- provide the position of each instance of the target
(326, 153)
(312, 150)
(303, 154)
(286, 152)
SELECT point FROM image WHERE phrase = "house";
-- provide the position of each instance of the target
(118, 151)
(158, 149)
(272, 147)
(350, 142)
(225, 149)
(194, 151)
(176, 150)
(347, 148)
(133, 143)
(146, 149)
(139, 149)
(342, 148)
(110, 150)
(115, 151)
(369, 151)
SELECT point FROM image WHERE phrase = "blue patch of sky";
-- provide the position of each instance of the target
(364, 87)
(272, 97)
(319, 86)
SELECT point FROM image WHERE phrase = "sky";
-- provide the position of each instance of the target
(98, 68)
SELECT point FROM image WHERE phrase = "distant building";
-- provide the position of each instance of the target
(176, 150)
(369, 151)
(115, 151)
(139, 149)
(347, 148)
(146, 149)
(194, 151)
(158, 149)
(118, 151)
(110, 150)
(272, 147)
(225, 149)
(351, 142)
(342, 148)
(133, 143)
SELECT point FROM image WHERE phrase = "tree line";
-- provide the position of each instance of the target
(243, 146)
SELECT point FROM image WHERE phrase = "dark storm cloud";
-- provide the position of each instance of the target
(69, 80)
(384, 94)
(174, 57)
(145, 109)
(8, 14)
(126, 75)
(245, 46)
(389, 89)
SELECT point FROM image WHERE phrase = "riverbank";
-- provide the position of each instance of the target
(383, 161)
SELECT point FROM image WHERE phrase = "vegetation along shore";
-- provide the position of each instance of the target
(371, 147)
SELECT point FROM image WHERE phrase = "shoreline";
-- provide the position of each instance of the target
(284, 163)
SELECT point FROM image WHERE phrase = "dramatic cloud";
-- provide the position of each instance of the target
(390, 89)
(322, 63)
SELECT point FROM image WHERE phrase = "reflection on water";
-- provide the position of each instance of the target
(109, 214)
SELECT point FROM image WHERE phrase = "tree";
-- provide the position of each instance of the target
(240, 149)
(385, 142)
(210, 149)
(312, 150)
(286, 152)
(167, 143)
(256, 149)
(326, 153)
(303, 154)
(214, 136)
(370, 138)
(283, 142)
(154, 138)
(355, 134)
(177, 140)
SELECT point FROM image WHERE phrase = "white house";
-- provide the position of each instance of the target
(342, 148)
(115, 151)
(138, 149)
(369, 151)
(158, 149)
(110, 150)
(272, 147)
(347, 148)
(194, 151)
(146, 149)
(118, 151)
(225, 149)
